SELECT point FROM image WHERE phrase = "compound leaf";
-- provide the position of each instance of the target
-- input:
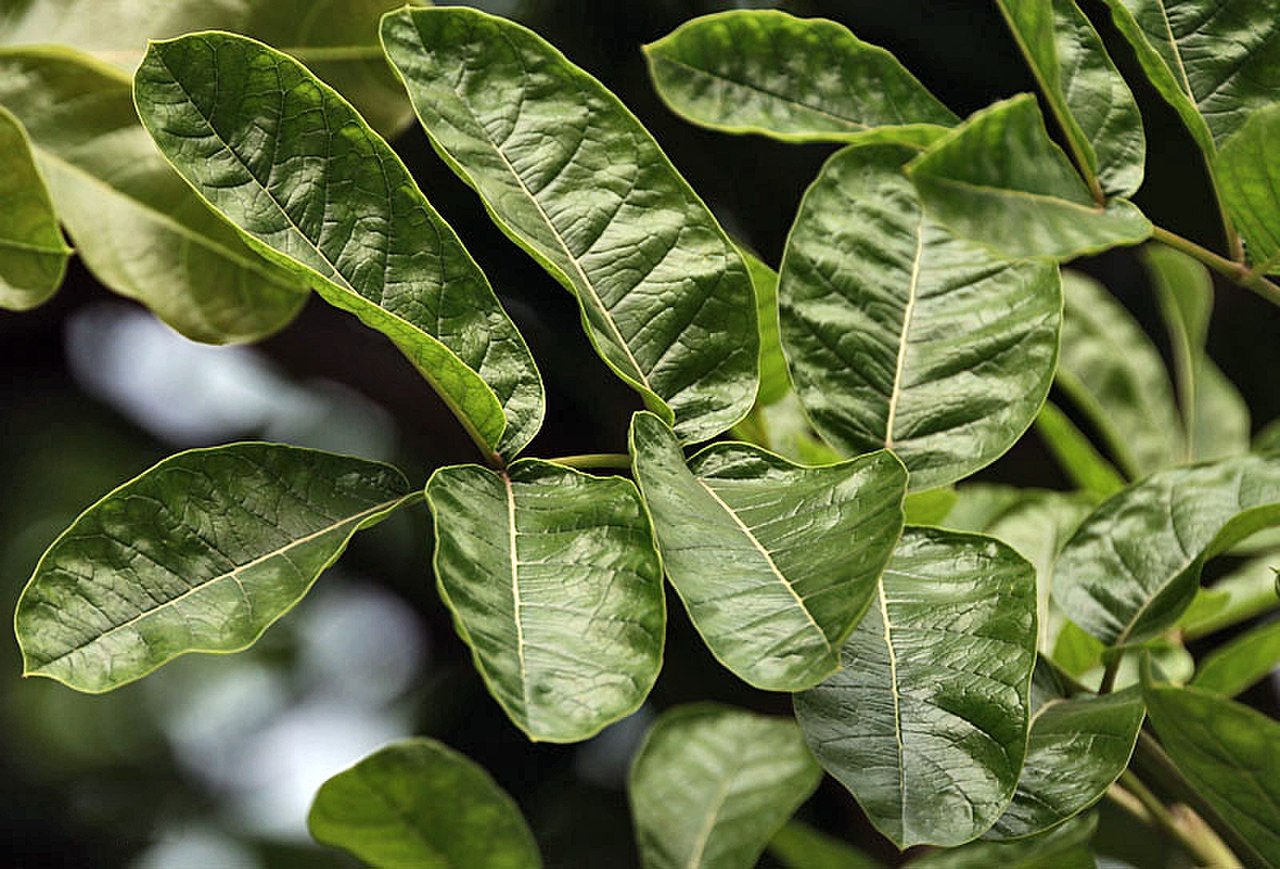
(775, 562)
(33, 255)
(573, 178)
(554, 583)
(1236, 666)
(710, 786)
(202, 553)
(1248, 172)
(926, 722)
(901, 335)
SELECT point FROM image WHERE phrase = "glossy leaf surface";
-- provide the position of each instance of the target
(775, 382)
(926, 722)
(1134, 565)
(418, 804)
(309, 184)
(201, 553)
(33, 255)
(795, 79)
(710, 786)
(900, 335)
(1001, 181)
(136, 226)
(775, 562)
(1084, 89)
(1236, 666)
(1247, 169)
(554, 583)
(572, 177)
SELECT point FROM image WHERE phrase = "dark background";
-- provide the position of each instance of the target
(91, 394)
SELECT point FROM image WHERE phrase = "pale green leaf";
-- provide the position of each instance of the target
(775, 562)
(799, 846)
(1086, 467)
(710, 785)
(554, 583)
(902, 336)
(1066, 847)
(1076, 652)
(979, 504)
(1083, 88)
(926, 722)
(775, 382)
(136, 226)
(1245, 592)
(930, 507)
(787, 431)
(571, 176)
(1248, 172)
(202, 553)
(1236, 666)
(795, 79)
(1001, 181)
(418, 804)
(1134, 564)
(311, 186)
(33, 255)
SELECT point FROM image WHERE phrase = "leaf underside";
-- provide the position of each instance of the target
(33, 255)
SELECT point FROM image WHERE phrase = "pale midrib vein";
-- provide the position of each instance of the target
(30, 247)
(895, 395)
(232, 574)
(1048, 198)
(897, 702)
(704, 834)
(516, 605)
(1177, 54)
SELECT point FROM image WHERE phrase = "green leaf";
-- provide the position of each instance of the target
(137, 227)
(202, 553)
(710, 786)
(33, 255)
(1066, 847)
(1084, 89)
(775, 382)
(799, 846)
(1247, 591)
(980, 504)
(930, 507)
(1236, 666)
(900, 335)
(926, 722)
(1000, 180)
(1214, 61)
(1134, 565)
(313, 188)
(1115, 375)
(573, 178)
(1230, 754)
(775, 562)
(418, 804)
(1086, 467)
(795, 79)
(788, 433)
(1247, 168)
(555, 584)
(1077, 652)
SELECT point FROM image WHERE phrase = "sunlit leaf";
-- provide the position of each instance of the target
(1086, 467)
(33, 255)
(1247, 169)
(555, 584)
(1236, 666)
(202, 553)
(775, 562)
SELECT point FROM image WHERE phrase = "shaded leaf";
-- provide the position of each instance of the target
(775, 562)
(1086, 467)
(1245, 592)
(33, 255)
(313, 188)
(789, 433)
(799, 846)
(554, 583)
(418, 804)
(900, 335)
(775, 382)
(926, 722)
(1233, 668)
(795, 79)
(202, 553)
(710, 785)
(1000, 180)
(1248, 169)
(573, 178)
(1067, 847)
(979, 504)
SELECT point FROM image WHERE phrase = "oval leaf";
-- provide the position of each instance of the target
(309, 184)
(573, 178)
(1242, 594)
(1000, 180)
(1067, 847)
(417, 804)
(795, 79)
(900, 335)
(774, 562)
(775, 382)
(1134, 565)
(202, 553)
(554, 583)
(33, 256)
(1083, 464)
(710, 786)
(1247, 168)
(1238, 665)
(926, 722)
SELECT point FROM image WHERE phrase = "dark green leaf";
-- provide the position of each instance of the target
(795, 79)
(1000, 180)
(711, 785)
(903, 336)
(310, 185)
(33, 255)
(417, 804)
(926, 722)
(1067, 847)
(775, 382)
(202, 553)
(775, 562)
(572, 177)
(1095, 476)
(555, 584)
(798, 846)
(1236, 666)
(1134, 565)
(1247, 168)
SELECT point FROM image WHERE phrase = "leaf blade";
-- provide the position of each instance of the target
(33, 254)
(1246, 170)
(1236, 666)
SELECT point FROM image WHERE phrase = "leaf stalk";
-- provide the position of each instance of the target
(587, 461)
(1235, 271)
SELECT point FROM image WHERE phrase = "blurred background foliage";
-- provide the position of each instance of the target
(212, 762)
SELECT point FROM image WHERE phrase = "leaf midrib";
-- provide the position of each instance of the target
(703, 837)
(895, 394)
(516, 603)
(26, 247)
(883, 602)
